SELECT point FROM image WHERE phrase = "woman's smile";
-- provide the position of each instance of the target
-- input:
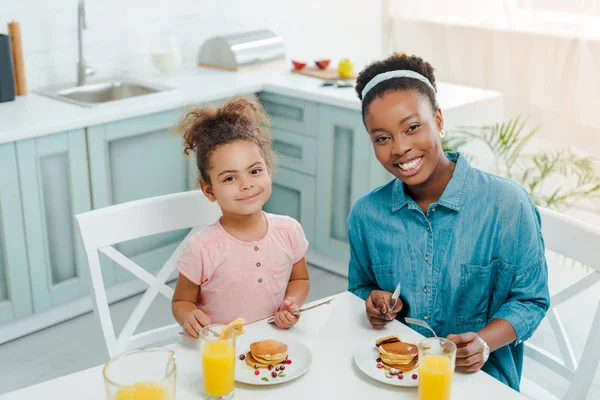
(409, 167)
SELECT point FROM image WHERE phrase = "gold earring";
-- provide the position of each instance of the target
(442, 133)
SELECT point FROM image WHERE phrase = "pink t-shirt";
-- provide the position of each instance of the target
(243, 279)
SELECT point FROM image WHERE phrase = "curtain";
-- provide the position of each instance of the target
(543, 55)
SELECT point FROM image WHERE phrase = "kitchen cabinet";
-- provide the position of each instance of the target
(293, 194)
(295, 151)
(54, 183)
(326, 165)
(15, 288)
(345, 157)
(294, 115)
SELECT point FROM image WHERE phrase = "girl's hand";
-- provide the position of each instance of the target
(469, 351)
(285, 318)
(195, 321)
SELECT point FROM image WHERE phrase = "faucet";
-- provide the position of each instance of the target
(83, 70)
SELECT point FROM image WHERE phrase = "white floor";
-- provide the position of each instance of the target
(78, 344)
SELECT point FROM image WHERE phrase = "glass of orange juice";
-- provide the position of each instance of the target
(437, 357)
(217, 349)
(144, 374)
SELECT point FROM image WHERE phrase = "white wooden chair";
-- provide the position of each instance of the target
(103, 228)
(579, 242)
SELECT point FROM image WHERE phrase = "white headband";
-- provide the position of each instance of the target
(402, 73)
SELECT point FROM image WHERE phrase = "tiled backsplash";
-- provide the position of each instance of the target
(120, 32)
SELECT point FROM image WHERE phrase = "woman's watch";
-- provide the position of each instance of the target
(486, 349)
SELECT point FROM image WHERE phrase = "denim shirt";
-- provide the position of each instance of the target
(478, 254)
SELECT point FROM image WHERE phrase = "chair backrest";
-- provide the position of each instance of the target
(101, 229)
(579, 242)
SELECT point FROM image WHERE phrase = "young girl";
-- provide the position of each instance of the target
(248, 264)
(466, 245)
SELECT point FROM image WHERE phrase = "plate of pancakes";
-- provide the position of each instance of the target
(276, 361)
(390, 359)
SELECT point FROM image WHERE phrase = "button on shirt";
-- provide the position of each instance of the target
(479, 256)
(243, 279)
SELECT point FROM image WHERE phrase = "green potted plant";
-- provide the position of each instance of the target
(554, 179)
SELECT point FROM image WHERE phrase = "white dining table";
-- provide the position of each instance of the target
(331, 332)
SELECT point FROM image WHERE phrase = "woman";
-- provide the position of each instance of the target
(466, 245)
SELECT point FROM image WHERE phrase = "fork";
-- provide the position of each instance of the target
(419, 322)
(271, 319)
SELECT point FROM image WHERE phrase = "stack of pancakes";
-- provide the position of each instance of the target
(265, 353)
(397, 354)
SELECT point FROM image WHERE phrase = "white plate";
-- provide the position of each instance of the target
(365, 357)
(298, 352)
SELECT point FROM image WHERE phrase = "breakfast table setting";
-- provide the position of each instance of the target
(330, 353)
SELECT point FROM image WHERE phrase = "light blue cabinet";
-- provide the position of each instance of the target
(295, 151)
(294, 195)
(327, 163)
(15, 289)
(54, 180)
(295, 115)
(135, 159)
(294, 131)
(343, 175)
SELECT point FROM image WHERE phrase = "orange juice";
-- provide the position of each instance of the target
(143, 391)
(218, 363)
(435, 377)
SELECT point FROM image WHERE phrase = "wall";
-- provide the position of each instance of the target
(120, 32)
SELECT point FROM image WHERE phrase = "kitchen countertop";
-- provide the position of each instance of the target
(35, 115)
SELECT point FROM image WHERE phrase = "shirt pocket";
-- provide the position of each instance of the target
(386, 276)
(483, 290)
(280, 277)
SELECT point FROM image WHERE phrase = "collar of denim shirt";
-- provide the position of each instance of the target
(454, 194)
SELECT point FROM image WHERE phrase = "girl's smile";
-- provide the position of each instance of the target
(250, 198)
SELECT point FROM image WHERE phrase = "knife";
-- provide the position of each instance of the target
(394, 299)
(271, 319)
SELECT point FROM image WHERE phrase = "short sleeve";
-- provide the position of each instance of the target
(298, 241)
(190, 262)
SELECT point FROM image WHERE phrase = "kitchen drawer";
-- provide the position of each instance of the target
(293, 194)
(294, 151)
(291, 114)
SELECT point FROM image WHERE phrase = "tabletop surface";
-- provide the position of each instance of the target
(331, 331)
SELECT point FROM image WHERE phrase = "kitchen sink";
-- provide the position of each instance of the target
(101, 92)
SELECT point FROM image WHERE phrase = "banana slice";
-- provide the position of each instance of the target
(234, 326)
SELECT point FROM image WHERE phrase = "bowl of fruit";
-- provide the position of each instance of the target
(322, 63)
(298, 64)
